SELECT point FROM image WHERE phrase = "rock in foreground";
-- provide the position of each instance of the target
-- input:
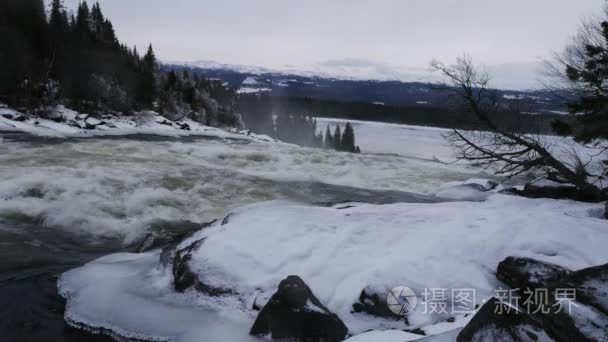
(496, 321)
(294, 312)
(574, 308)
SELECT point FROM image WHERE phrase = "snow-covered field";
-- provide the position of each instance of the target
(118, 188)
(387, 138)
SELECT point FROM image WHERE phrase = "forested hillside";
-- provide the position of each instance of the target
(78, 60)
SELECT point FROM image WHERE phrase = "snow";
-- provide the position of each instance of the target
(387, 138)
(250, 81)
(142, 123)
(250, 90)
(338, 252)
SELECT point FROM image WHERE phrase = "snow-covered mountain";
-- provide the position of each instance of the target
(362, 81)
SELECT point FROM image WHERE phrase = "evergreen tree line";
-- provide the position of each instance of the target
(254, 107)
(77, 60)
(341, 141)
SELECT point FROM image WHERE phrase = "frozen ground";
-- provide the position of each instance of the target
(429, 143)
(405, 140)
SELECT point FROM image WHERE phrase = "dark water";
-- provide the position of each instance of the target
(32, 255)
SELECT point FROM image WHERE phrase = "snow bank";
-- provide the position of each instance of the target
(69, 123)
(405, 140)
(338, 252)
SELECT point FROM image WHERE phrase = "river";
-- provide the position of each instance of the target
(64, 202)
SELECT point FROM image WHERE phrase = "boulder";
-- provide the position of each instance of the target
(583, 317)
(591, 286)
(496, 321)
(558, 192)
(527, 273)
(293, 312)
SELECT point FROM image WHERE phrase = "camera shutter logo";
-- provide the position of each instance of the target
(401, 300)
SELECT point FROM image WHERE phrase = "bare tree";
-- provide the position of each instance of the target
(506, 152)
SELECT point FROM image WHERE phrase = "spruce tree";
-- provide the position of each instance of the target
(338, 138)
(329, 140)
(148, 90)
(348, 138)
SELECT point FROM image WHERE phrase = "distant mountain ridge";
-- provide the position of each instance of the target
(327, 86)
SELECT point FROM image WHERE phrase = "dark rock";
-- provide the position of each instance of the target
(184, 126)
(496, 321)
(417, 331)
(583, 321)
(166, 123)
(373, 303)
(527, 273)
(558, 192)
(183, 276)
(20, 118)
(294, 312)
(591, 286)
(162, 233)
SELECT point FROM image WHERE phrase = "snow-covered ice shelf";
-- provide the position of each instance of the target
(339, 252)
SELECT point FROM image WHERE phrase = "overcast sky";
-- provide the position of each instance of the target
(408, 33)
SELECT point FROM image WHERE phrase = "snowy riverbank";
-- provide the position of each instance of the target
(66, 123)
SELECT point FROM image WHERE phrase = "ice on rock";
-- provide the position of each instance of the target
(127, 295)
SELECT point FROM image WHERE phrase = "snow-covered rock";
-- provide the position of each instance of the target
(496, 321)
(522, 273)
(574, 307)
(63, 122)
(340, 252)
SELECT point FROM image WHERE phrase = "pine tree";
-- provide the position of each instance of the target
(348, 139)
(83, 21)
(338, 138)
(329, 140)
(148, 90)
(59, 30)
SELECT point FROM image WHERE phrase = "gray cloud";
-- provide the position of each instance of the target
(381, 34)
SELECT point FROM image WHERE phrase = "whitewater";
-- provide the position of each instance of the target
(72, 198)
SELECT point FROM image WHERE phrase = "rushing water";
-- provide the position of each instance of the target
(66, 202)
